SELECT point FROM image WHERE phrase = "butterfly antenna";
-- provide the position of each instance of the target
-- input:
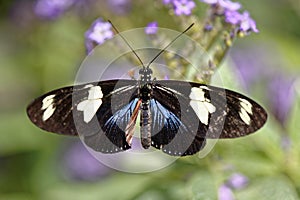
(169, 45)
(127, 43)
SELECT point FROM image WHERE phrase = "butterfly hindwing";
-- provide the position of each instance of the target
(177, 133)
(110, 136)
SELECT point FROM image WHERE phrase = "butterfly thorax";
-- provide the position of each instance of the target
(145, 84)
(145, 75)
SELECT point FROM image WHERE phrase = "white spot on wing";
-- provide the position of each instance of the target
(245, 110)
(48, 112)
(211, 108)
(245, 116)
(95, 93)
(200, 111)
(48, 107)
(92, 104)
(47, 101)
(246, 105)
(197, 94)
(201, 105)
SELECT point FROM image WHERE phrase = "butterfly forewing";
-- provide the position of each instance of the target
(53, 111)
(87, 110)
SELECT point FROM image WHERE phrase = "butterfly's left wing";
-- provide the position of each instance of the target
(99, 112)
(201, 111)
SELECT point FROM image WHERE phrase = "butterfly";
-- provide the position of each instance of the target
(174, 116)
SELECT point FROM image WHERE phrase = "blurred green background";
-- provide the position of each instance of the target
(41, 53)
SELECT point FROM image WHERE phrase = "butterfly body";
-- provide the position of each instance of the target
(145, 94)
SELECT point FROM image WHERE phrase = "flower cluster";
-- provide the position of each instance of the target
(230, 10)
(227, 8)
(97, 34)
(215, 37)
(241, 23)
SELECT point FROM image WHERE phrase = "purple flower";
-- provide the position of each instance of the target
(232, 17)
(226, 4)
(244, 22)
(119, 7)
(230, 10)
(225, 193)
(247, 24)
(51, 9)
(81, 165)
(281, 96)
(98, 33)
(183, 7)
(151, 28)
(237, 181)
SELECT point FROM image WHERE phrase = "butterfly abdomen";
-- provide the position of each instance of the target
(145, 93)
(145, 125)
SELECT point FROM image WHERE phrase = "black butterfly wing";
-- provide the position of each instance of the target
(92, 111)
(202, 112)
(238, 114)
